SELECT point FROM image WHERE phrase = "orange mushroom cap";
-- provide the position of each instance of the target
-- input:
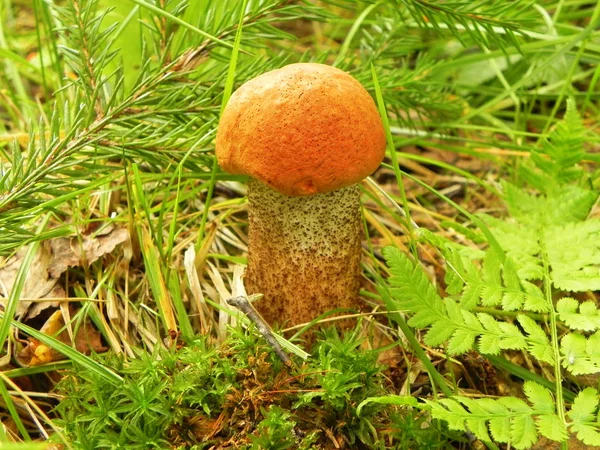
(304, 129)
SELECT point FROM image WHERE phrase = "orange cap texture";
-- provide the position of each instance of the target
(304, 129)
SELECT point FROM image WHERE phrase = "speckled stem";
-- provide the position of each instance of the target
(303, 253)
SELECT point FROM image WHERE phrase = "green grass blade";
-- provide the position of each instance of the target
(226, 94)
(71, 353)
(352, 32)
(14, 414)
(15, 293)
(152, 261)
(394, 157)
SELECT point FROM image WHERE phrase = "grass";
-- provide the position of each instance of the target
(108, 112)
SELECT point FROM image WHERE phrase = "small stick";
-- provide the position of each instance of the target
(246, 307)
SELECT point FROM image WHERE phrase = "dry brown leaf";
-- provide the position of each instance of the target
(87, 339)
(71, 252)
(37, 284)
(45, 302)
(53, 258)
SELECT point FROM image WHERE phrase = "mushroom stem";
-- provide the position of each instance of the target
(303, 252)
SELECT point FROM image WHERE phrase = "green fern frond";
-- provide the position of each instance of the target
(574, 255)
(453, 278)
(460, 268)
(554, 223)
(548, 243)
(508, 419)
(556, 175)
(563, 148)
(548, 423)
(499, 283)
(498, 335)
(584, 418)
(581, 356)
(521, 204)
(521, 244)
(556, 164)
(570, 204)
(587, 319)
(411, 291)
(538, 343)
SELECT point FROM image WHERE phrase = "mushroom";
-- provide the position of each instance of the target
(306, 134)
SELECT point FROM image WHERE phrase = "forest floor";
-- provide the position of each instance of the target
(122, 239)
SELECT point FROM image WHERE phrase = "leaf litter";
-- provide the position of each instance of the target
(42, 291)
(52, 260)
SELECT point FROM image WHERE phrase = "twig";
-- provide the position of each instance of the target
(246, 307)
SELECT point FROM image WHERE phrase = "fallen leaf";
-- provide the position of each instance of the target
(71, 252)
(87, 340)
(54, 257)
(45, 302)
(37, 284)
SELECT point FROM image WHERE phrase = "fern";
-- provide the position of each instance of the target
(564, 151)
(572, 247)
(581, 356)
(587, 319)
(567, 205)
(548, 247)
(520, 244)
(509, 420)
(460, 328)
(585, 420)
(574, 255)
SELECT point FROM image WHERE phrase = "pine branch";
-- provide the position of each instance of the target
(410, 89)
(158, 121)
(479, 21)
(86, 52)
(220, 20)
